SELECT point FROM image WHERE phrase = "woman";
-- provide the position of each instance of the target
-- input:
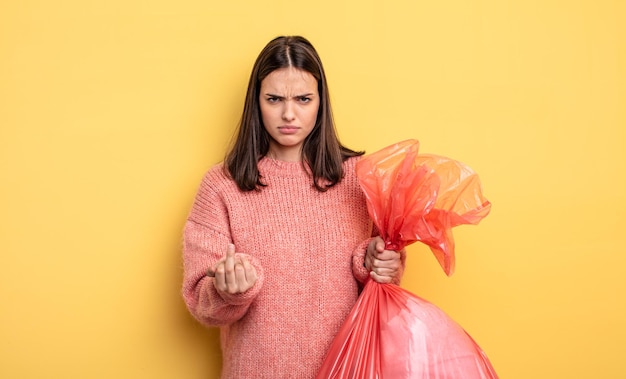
(287, 200)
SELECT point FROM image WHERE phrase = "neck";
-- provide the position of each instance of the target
(287, 154)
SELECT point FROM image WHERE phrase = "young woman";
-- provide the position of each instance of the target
(278, 241)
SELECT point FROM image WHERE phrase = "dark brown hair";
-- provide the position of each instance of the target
(321, 150)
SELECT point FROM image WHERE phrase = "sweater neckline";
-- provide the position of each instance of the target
(271, 166)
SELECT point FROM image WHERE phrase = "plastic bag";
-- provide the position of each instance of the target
(413, 197)
(391, 333)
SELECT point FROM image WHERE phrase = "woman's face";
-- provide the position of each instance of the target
(289, 103)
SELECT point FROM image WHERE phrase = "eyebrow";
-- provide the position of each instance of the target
(282, 97)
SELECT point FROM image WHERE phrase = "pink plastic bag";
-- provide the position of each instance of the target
(391, 333)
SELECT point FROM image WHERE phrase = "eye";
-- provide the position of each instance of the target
(273, 99)
(304, 99)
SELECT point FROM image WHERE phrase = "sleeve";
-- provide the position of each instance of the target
(358, 262)
(205, 238)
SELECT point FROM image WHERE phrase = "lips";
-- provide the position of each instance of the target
(288, 129)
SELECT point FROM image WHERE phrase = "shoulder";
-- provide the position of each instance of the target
(213, 193)
(349, 168)
(351, 161)
(349, 181)
(217, 180)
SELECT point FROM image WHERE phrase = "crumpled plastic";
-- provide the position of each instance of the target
(390, 332)
(420, 197)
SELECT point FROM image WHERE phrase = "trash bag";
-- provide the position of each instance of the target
(391, 333)
(413, 197)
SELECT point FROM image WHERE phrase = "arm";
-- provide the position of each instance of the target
(203, 250)
(206, 237)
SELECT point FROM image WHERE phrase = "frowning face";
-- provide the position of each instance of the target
(289, 102)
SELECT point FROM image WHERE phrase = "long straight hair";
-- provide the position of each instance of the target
(321, 150)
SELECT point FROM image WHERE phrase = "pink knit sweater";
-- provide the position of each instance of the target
(308, 249)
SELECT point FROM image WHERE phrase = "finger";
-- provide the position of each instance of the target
(375, 244)
(229, 269)
(388, 272)
(220, 278)
(230, 251)
(388, 263)
(387, 258)
(385, 271)
(387, 255)
(240, 277)
(378, 244)
(221, 260)
(380, 278)
(380, 247)
(212, 270)
(251, 275)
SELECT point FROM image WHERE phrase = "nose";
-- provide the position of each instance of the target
(289, 111)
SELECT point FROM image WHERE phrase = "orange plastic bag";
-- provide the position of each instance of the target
(391, 333)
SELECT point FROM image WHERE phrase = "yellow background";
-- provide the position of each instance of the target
(111, 111)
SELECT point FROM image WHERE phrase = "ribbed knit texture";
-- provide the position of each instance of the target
(308, 249)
